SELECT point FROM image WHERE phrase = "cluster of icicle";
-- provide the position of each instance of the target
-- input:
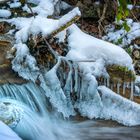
(81, 92)
(119, 85)
(68, 91)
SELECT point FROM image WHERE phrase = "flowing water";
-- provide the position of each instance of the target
(34, 120)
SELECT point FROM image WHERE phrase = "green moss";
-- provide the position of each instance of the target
(121, 72)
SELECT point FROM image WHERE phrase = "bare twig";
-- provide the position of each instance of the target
(101, 20)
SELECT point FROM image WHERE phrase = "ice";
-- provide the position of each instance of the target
(89, 104)
(137, 81)
(111, 86)
(108, 82)
(76, 77)
(118, 87)
(132, 91)
(57, 96)
(24, 63)
(117, 108)
(124, 88)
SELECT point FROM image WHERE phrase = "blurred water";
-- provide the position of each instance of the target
(106, 130)
(38, 123)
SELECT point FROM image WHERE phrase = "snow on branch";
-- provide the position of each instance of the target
(66, 21)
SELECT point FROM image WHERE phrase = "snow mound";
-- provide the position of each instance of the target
(84, 46)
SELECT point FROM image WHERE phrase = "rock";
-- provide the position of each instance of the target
(7, 75)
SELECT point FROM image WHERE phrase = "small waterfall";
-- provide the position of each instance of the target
(29, 94)
(33, 119)
(27, 123)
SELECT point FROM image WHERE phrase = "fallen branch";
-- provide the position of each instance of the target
(66, 21)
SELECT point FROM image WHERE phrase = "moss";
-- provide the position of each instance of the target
(121, 73)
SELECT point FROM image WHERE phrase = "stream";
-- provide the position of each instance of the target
(30, 114)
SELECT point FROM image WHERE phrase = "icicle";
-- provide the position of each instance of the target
(71, 85)
(111, 86)
(124, 88)
(79, 86)
(105, 83)
(76, 77)
(64, 72)
(108, 82)
(68, 85)
(118, 88)
(127, 85)
(81, 89)
(132, 91)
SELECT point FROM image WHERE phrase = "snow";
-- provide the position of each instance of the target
(113, 35)
(15, 4)
(85, 47)
(5, 13)
(43, 26)
(34, 26)
(130, 6)
(44, 8)
(69, 16)
(39, 24)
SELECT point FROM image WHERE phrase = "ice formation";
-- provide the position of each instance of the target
(117, 108)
